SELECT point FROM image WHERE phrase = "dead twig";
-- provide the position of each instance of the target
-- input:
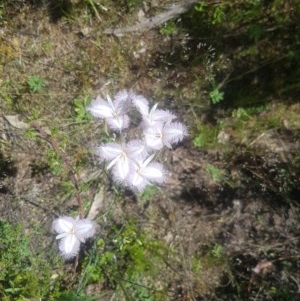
(173, 12)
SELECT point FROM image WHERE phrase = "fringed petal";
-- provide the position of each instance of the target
(153, 136)
(119, 122)
(154, 173)
(136, 149)
(174, 133)
(138, 182)
(69, 246)
(109, 151)
(85, 228)
(142, 104)
(100, 108)
(123, 100)
(122, 167)
(157, 116)
(63, 224)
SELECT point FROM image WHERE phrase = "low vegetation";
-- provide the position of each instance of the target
(225, 224)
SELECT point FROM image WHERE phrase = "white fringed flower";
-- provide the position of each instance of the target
(160, 135)
(124, 96)
(145, 173)
(129, 162)
(157, 116)
(71, 233)
(142, 104)
(121, 156)
(153, 116)
(114, 112)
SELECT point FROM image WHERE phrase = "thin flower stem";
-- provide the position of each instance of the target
(91, 2)
(65, 159)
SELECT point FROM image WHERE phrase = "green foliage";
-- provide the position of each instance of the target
(252, 121)
(169, 28)
(255, 32)
(138, 292)
(26, 276)
(215, 173)
(131, 4)
(35, 84)
(14, 250)
(216, 12)
(5, 86)
(206, 136)
(218, 15)
(121, 259)
(280, 293)
(239, 12)
(72, 296)
(54, 161)
(243, 114)
(20, 273)
(261, 40)
(93, 5)
(54, 157)
(217, 251)
(215, 94)
(201, 6)
(31, 134)
(80, 105)
(148, 194)
(196, 264)
(199, 140)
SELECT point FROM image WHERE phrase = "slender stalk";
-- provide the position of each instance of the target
(65, 159)
(92, 4)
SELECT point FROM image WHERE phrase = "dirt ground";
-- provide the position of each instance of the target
(242, 225)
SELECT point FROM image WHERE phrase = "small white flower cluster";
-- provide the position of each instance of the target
(71, 233)
(131, 162)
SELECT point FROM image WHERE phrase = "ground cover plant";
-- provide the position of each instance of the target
(217, 215)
